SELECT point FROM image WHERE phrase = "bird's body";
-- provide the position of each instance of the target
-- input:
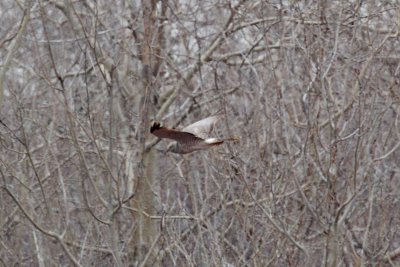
(192, 138)
(184, 148)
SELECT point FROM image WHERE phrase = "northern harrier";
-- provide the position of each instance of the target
(191, 138)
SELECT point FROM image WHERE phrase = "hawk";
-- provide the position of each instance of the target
(191, 138)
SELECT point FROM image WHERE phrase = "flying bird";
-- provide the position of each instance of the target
(191, 138)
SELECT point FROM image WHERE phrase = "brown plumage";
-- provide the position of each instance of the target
(191, 138)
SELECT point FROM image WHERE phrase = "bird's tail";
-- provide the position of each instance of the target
(213, 141)
(216, 141)
(234, 138)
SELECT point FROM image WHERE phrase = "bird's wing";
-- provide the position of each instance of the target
(202, 128)
(179, 136)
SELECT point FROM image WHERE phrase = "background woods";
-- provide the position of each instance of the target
(312, 88)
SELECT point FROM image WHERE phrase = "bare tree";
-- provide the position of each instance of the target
(311, 87)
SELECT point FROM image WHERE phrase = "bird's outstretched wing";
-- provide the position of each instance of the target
(202, 128)
(179, 136)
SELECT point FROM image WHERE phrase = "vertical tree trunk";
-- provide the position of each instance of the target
(144, 202)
